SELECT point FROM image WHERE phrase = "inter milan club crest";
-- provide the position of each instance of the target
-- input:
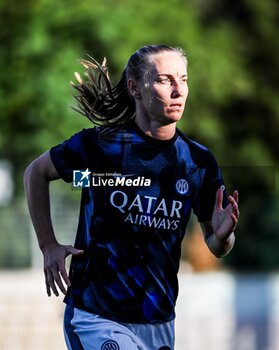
(110, 345)
(182, 186)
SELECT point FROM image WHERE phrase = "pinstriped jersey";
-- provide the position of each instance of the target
(133, 216)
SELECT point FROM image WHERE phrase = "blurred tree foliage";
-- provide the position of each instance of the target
(232, 48)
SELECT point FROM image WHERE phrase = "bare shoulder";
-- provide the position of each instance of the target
(43, 166)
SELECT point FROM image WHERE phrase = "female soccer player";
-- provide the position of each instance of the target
(143, 179)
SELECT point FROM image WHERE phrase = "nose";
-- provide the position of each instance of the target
(179, 89)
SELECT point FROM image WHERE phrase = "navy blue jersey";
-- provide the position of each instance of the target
(133, 217)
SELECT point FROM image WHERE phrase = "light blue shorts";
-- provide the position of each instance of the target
(87, 331)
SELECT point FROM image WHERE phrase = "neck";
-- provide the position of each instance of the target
(155, 129)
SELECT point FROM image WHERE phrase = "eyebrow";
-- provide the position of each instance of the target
(171, 75)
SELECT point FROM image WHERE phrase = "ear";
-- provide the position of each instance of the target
(133, 89)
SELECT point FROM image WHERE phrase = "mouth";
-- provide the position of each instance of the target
(176, 106)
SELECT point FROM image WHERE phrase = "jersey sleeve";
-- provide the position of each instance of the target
(205, 198)
(72, 154)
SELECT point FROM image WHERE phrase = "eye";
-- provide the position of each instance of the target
(164, 80)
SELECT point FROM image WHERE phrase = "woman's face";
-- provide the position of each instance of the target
(164, 89)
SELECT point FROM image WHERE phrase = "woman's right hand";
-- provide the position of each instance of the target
(56, 276)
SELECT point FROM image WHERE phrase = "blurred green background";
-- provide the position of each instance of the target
(232, 108)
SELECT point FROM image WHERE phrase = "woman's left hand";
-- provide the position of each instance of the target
(224, 220)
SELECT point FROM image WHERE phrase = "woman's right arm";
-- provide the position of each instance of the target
(37, 177)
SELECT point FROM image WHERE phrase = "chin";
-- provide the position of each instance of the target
(174, 117)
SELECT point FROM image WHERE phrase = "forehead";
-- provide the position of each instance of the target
(170, 63)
